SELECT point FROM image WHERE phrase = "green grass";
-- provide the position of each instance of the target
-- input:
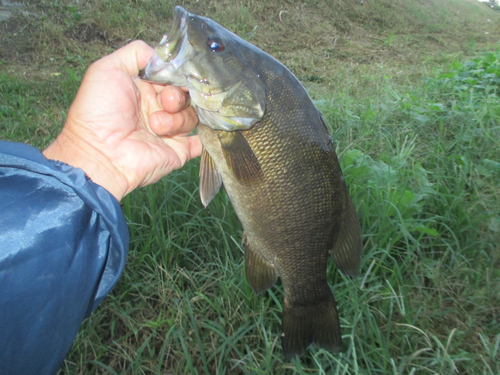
(422, 166)
(418, 139)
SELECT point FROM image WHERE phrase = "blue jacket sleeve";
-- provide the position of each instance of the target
(63, 243)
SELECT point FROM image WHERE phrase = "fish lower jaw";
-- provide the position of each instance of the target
(215, 121)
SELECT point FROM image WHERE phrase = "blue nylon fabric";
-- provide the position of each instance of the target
(63, 244)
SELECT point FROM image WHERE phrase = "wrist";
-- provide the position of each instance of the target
(73, 150)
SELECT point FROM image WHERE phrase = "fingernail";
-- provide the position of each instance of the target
(179, 97)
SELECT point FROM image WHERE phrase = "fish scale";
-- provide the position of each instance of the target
(266, 142)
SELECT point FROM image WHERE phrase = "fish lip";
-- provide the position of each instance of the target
(149, 70)
(162, 70)
(178, 34)
(180, 14)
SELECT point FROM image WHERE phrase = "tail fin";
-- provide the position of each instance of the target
(303, 325)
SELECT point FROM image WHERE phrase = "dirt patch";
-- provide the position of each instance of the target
(86, 33)
(16, 39)
(311, 38)
(40, 41)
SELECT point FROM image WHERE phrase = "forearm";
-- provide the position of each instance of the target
(63, 243)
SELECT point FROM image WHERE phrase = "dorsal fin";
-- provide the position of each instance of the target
(348, 248)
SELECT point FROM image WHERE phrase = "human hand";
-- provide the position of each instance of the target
(124, 132)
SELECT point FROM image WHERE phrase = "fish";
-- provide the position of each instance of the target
(267, 143)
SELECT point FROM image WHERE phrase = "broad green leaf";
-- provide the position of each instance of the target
(494, 224)
(426, 230)
(488, 167)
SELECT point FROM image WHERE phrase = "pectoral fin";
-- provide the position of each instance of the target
(210, 179)
(261, 275)
(240, 158)
(348, 248)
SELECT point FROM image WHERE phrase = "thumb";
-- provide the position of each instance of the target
(129, 59)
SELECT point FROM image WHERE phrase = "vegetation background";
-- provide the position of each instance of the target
(411, 92)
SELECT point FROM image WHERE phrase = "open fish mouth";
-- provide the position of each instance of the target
(170, 55)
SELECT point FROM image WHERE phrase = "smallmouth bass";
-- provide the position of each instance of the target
(264, 139)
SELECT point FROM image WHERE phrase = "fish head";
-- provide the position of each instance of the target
(203, 56)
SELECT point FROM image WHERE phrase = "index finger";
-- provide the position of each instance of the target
(173, 99)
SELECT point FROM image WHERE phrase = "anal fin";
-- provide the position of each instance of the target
(210, 179)
(261, 275)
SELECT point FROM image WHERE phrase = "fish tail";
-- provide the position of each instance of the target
(303, 325)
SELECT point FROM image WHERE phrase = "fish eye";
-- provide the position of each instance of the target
(215, 44)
